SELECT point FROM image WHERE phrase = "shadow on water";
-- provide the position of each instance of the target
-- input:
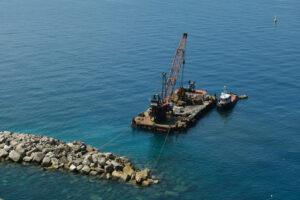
(225, 113)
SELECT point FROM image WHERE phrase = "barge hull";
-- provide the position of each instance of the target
(184, 121)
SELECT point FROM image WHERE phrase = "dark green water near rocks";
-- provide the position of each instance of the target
(80, 70)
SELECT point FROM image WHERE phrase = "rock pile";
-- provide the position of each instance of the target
(75, 157)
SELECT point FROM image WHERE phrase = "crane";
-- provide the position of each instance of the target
(159, 106)
(178, 61)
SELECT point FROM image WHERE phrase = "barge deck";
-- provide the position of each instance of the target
(181, 119)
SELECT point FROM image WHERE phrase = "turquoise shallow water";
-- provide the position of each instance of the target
(80, 70)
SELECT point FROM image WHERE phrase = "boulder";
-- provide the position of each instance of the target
(89, 148)
(7, 132)
(142, 175)
(146, 183)
(117, 165)
(54, 162)
(3, 153)
(87, 160)
(15, 156)
(93, 172)
(46, 162)
(79, 167)
(78, 161)
(121, 175)
(109, 156)
(27, 159)
(102, 161)
(73, 168)
(28, 153)
(50, 154)
(20, 148)
(86, 169)
(6, 148)
(76, 148)
(108, 176)
(128, 170)
(95, 158)
(108, 169)
(99, 170)
(38, 157)
(13, 143)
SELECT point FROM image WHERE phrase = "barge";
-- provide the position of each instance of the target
(175, 111)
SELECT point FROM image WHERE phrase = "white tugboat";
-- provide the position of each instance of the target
(227, 99)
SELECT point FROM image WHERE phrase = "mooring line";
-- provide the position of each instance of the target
(111, 140)
(161, 150)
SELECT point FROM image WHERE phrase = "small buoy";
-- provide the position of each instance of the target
(275, 20)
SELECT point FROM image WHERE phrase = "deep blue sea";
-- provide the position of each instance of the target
(82, 69)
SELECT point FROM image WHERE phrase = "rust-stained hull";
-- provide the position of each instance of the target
(180, 122)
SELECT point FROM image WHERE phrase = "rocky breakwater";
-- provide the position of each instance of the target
(75, 157)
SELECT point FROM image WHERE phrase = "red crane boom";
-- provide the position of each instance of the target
(177, 62)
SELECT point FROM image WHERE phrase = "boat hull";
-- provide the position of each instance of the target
(234, 99)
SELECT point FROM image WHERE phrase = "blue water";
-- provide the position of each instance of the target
(81, 70)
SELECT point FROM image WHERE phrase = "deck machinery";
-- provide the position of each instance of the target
(175, 111)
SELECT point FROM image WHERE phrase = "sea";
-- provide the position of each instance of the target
(82, 69)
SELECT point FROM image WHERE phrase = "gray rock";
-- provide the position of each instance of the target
(15, 156)
(46, 150)
(76, 148)
(102, 161)
(78, 161)
(128, 170)
(13, 143)
(109, 156)
(28, 153)
(108, 169)
(54, 162)
(27, 159)
(86, 169)
(117, 165)
(38, 157)
(73, 168)
(6, 148)
(93, 172)
(95, 158)
(121, 175)
(20, 148)
(89, 148)
(99, 170)
(50, 154)
(79, 167)
(124, 159)
(46, 162)
(108, 176)
(142, 175)
(3, 153)
(87, 160)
